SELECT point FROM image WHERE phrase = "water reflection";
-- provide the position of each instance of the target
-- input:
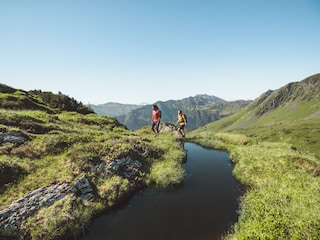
(181, 143)
(203, 207)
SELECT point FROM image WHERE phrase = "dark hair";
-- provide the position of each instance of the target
(155, 106)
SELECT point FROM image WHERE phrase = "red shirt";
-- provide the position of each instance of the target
(155, 115)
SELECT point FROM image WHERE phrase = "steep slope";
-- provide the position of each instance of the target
(291, 114)
(200, 110)
(17, 99)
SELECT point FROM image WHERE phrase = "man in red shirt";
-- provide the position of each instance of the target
(155, 120)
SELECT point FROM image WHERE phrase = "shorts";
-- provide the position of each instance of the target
(155, 124)
(182, 126)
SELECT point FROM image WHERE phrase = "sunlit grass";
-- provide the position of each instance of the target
(64, 147)
(169, 168)
(112, 189)
(296, 123)
(282, 188)
(66, 216)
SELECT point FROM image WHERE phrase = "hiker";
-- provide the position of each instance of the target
(182, 120)
(155, 120)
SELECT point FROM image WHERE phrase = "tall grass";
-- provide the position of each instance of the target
(168, 168)
(282, 188)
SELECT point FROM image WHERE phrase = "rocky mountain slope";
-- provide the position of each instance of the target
(200, 110)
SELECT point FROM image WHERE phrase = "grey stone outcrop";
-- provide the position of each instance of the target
(169, 127)
(13, 137)
(12, 217)
(126, 167)
(83, 186)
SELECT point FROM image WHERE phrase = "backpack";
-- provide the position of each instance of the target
(185, 118)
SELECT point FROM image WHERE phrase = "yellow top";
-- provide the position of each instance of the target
(181, 119)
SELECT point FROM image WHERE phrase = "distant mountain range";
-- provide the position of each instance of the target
(114, 109)
(200, 110)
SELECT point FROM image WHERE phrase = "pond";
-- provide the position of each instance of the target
(203, 207)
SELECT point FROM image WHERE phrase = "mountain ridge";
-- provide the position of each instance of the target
(200, 109)
(114, 109)
(290, 113)
(18, 99)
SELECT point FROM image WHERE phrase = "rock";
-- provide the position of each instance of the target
(13, 137)
(99, 167)
(12, 217)
(83, 185)
(126, 167)
(137, 164)
(86, 197)
(169, 127)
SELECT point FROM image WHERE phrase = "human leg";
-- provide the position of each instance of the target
(153, 124)
(155, 128)
(181, 130)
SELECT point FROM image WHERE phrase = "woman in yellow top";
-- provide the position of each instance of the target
(182, 122)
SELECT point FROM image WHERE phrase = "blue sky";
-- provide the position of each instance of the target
(142, 51)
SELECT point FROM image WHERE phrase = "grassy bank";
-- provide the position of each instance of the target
(66, 146)
(282, 187)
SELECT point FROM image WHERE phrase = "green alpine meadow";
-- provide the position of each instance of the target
(85, 164)
(274, 144)
(49, 140)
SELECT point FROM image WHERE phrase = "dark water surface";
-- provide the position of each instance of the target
(203, 207)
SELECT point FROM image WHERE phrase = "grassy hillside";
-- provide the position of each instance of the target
(290, 114)
(16, 99)
(282, 187)
(41, 148)
(274, 143)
